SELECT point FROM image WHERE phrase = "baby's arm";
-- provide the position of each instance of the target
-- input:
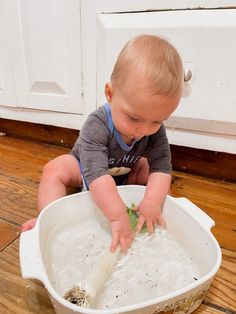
(105, 195)
(157, 188)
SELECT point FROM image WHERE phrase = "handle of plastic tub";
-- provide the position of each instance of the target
(30, 260)
(196, 212)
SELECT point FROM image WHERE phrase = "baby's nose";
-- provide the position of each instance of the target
(143, 130)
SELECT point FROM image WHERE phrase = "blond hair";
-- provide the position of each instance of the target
(155, 59)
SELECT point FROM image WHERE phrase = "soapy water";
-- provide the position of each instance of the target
(154, 266)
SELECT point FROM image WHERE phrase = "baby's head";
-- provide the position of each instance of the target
(147, 77)
(153, 61)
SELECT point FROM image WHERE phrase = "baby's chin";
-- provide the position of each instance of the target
(136, 138)
(128, 139)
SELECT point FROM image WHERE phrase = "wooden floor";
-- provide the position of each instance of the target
(21, 163)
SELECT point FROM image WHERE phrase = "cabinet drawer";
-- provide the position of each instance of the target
(206, 41)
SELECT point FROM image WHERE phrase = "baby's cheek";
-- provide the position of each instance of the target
(157, 128)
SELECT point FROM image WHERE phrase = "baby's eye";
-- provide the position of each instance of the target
(134, 119)
(157, 122)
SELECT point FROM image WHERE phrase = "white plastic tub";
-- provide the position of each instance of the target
(185, 221)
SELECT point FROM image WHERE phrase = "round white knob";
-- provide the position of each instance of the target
(187, 75)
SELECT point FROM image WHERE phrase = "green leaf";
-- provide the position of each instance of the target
(133, 217)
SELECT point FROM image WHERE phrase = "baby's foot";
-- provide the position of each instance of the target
(29, 224)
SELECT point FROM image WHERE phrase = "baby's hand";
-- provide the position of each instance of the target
(149, 213)
(121, 233)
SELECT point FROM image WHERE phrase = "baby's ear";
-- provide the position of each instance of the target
(108, 92)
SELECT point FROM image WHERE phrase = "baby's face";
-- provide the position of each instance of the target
(137, 114)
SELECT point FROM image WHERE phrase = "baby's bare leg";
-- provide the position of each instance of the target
(58, 174)
(139, 173)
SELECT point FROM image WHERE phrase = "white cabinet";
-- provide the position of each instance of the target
(205, 38)
(6, 79)
(48, 66)
(56, 55)
(41, 75)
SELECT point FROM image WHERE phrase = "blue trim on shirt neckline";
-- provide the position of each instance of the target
(112, 128)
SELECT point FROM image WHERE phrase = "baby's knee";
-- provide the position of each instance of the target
(51, 169)
(63, 169)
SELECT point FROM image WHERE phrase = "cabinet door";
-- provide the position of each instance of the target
(7, 96)
(46, 55)
(206, 42)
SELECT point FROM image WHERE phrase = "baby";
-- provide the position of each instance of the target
(124, 141)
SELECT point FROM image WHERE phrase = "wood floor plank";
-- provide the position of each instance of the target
(21, 166)
(205, 309)
(22, 296)
(223, 288)
(18, 295)
(9, 261)
(20, 158)
(8, 233)
(216, 198)
(18, 199)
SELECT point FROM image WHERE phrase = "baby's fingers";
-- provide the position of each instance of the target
(125, 243)
(150, 227)
(161, 222)
(114, 242)
(140, 223)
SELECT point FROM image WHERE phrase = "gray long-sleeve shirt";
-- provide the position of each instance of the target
(100, 149)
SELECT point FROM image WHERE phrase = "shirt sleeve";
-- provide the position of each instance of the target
(159, 155)
(91, 147)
